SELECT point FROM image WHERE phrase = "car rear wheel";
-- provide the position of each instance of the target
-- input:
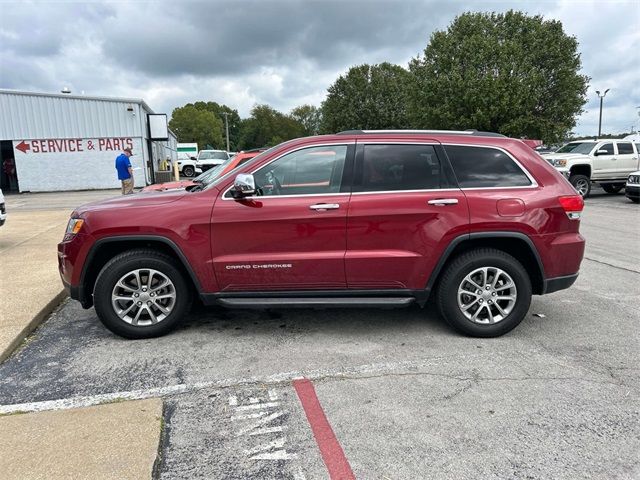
(188, 171)
(612, 187)
(484, 293)
(582, 184)
(141, 294)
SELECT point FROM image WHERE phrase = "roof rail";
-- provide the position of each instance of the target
(473, 133)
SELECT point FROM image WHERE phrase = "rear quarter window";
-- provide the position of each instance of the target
(485, 167)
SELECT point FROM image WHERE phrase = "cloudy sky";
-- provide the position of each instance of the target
(284, 53)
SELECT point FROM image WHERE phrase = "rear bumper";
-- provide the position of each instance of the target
(558, 283)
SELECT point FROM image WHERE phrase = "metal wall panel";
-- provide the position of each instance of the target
(32, 116)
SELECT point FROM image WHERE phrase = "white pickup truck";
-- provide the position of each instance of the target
(211, 158)
(607, 162)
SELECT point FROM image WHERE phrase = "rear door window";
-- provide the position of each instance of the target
(398, 167)
(625, 148)
(485, 167)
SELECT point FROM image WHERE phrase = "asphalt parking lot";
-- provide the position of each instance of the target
(406, 396)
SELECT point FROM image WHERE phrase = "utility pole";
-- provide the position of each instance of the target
(226, 123)
(600, 121)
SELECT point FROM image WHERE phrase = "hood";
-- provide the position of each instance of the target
(553, 156)
(161, 187)
(136, 200)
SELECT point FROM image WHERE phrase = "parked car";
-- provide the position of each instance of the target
(188, 166)
(477, 221)
(211, 158)
(209, 175)
(3, 210)
(632, 187)
(607, 162)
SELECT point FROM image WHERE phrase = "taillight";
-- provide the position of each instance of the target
(572, 205)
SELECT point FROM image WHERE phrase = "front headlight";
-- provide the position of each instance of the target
(74, 226)
(560, 162)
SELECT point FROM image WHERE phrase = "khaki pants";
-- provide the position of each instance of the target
(127, 186)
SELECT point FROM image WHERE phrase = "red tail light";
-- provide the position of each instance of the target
(572, 205)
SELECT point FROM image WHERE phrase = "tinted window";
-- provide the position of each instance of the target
(398, 167)
(607, 147)
(625, 148)
(308, 171)
(477, 167)
(213, 156)
(577, 147)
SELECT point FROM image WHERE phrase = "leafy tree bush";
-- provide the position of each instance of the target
(367, 97)
(505, 72)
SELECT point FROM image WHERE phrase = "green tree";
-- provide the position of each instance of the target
(367, 97)
(309, 117)
(234, 120)
(191, 124)
(267, 127)
(504, 72)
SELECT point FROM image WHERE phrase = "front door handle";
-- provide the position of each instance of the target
(324, 206)
(441, 202)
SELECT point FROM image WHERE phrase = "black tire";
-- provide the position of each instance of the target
(634, 200)
(455, 273)
(582, 184)
(188, 171)
(612, 187)
(129, 261)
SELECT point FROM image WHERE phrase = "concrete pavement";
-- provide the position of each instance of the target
(117, 440)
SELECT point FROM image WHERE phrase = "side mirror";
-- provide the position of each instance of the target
(601, 152)
(243, 186)
(193, 158)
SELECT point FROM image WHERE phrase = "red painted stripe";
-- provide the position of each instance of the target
(332, 454)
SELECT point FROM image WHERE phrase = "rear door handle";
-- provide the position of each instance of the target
(441, 202)
(324, 206)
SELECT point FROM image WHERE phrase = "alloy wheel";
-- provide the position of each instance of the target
(487, 295)
(143, 297)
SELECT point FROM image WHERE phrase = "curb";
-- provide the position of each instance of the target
(33, 324)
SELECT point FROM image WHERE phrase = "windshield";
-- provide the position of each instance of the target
(212, 173)
(577, 147)
(213, 156)
(215, 181)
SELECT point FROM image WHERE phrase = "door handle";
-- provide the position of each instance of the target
(324, 206)
(441, 202)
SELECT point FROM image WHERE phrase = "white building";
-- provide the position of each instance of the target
(54, 142)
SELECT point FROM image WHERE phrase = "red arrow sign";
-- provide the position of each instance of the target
(23, 147)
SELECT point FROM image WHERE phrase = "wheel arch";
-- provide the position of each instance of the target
(106, 248)
(516, 244)
(581, 169)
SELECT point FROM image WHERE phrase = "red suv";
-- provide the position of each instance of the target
(476, 220)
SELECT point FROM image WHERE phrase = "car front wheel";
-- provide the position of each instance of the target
(582, 184)
(484, 293)
(188, 171)
(141, 294)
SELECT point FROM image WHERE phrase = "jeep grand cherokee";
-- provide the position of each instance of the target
(475, 220)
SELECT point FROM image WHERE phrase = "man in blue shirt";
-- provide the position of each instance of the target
(125, 172)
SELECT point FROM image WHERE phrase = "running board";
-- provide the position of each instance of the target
(316, 302)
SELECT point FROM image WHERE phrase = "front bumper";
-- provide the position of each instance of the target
(632, 191)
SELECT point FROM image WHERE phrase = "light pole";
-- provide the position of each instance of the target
(226, 123)
(600, 121)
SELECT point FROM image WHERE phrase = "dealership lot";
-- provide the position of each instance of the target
(406, 396)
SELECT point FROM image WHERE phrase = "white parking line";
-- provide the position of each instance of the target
(284, 377)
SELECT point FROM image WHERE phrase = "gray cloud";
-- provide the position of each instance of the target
(281, 52)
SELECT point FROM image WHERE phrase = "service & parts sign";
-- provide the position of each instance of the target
(74, 163)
